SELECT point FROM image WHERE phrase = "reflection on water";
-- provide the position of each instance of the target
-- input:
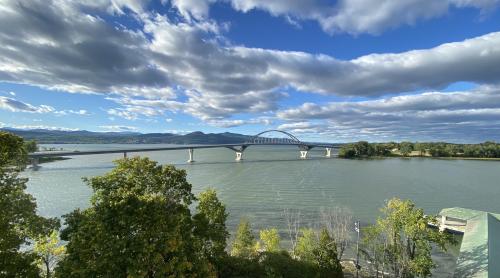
(273, 178)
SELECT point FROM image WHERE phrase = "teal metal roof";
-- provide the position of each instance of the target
(480, 250)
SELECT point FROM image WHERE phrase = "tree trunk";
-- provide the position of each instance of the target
(47, 268)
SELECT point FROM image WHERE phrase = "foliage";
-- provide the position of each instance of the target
(405, 148)
(435, 149)
(280, 264)
(363, 149)
(306, 244)
(244, 242)
(139, 224)
(31, 146)
(211, 224)
(326, 256)
(239, 267)
(405, 238)
(373, 246)
(338, 222)
(49, 251)
(267, 264)
(19, 223)
(271, 240)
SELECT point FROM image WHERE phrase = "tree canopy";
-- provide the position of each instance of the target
(138, 225)
(244, 242)
(19, 223)
(402, 240)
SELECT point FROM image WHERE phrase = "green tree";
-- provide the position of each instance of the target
(408, 238)
(49, 251)
(211, 224)
(326, 256)
(19, 223)
(306, 244)
(31, 146)
(271, 240)
(347, 151)
(405, 148)
(373, 246)
(244, 242)
(281, 264)
(138, 225)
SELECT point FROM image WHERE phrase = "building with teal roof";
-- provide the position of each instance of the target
(480, 249)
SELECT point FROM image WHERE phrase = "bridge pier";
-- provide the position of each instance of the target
(239, 151)
(191, 155)
(304, 150)
(239, 156)
(34, 162)
(328, 152)
(303, 154)
(124, 154)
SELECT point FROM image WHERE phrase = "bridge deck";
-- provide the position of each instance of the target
(178, 147)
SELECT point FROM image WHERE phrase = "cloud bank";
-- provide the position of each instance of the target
(344, 16)
(186, 65)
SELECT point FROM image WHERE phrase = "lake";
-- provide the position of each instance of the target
(272, 178)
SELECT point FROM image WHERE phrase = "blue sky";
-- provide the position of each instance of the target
(346, 70)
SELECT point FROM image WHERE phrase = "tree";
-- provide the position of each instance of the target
(49, 251)
(405, 148)
(19, 223)
(271, 240)
(347, 152)
(338, 221)
(326, 256)
(305, 245)
(281, 264)
(407, 248)
(31, 146)
(211, 224)
(373, 246)
(138, 225)
(293, 220)
(244, 242)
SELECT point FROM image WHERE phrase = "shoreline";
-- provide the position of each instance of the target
(427, 157)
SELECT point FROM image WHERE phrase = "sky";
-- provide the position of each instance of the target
(330, 71)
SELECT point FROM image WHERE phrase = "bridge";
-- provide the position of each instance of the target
(259, 139)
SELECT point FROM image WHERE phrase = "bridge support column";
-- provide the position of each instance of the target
(124, 154)
(239, 156)
(303, 154)
(34, 162)
(191, 156)
(328, 152)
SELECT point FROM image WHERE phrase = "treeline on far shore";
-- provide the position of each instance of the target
(433, 149)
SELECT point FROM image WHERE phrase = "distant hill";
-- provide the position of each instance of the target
(43, 136)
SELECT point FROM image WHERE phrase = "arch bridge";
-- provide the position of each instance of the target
(287, 139)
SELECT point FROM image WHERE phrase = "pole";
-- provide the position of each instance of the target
(356, 227)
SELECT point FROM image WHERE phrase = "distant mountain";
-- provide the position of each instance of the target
(44, 136)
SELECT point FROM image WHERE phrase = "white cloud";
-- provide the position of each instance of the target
(455, 116)
(167, 65)
(64, 48)
(350, 16)
(118, 128)
(29, 127)
(240, 122)
(134, 112)
(14, 105)
(81, 112)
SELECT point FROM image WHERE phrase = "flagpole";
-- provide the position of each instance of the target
(356, 227)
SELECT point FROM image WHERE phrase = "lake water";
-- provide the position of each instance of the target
(271, 179)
